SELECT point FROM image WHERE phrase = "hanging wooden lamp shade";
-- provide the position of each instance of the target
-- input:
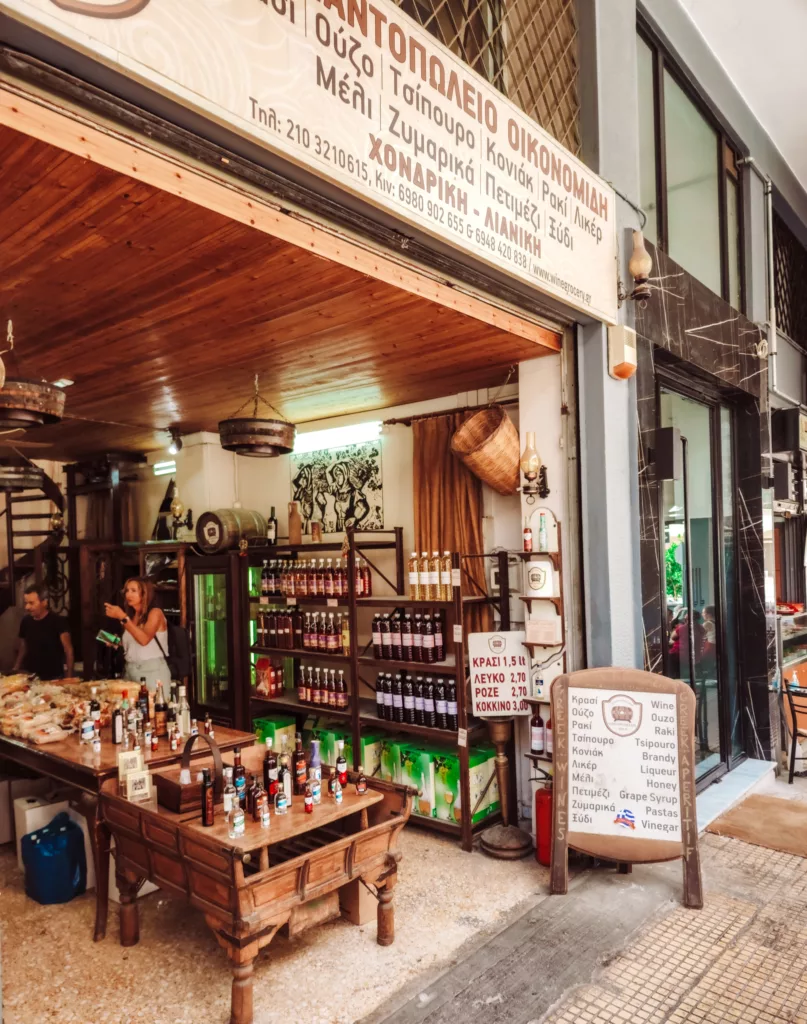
(252, 435)
(27, 403)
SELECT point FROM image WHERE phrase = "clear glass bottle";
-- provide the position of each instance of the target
(543, 543)
(414, 577)
(445, 576)
(423, 573)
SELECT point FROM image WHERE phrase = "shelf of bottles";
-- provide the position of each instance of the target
(210, 604)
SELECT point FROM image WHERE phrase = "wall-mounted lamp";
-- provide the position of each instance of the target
(175, 447)
(176, 509)
(640, 266)
(534, 471)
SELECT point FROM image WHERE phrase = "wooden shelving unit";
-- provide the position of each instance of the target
(362, 667)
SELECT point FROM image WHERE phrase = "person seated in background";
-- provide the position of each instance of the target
(46, 649)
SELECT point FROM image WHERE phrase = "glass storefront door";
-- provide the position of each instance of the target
(698, 538)
(212, 658)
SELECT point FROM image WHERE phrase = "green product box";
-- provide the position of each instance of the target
(417, 769)
(329, 737)
(483, 764)
(275, 729)
(371, 750)
(390, 757)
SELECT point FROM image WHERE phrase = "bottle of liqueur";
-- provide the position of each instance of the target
(407, 638)
(270, 772)
(396, 651)
(332, 781)
(281, 801)
(445, 576)
(397, 698)
(184, 717)
(315, 785)
(271, 527)
(230, 798)
(388, 698)
(427, 642)
(341, 763)
(434, 576)
(543, 544)
(208, 805)
(537, 733)
(262, 810)
(409, 700)
(239, 777)
(160, 712)
(341, 691)
(285, 777)
(308, 799)
(361, 784)
(429, 709)
(441, 703)
(439, 636)
(252, 788)
(420, 713)
(300, 768)
(266, 583)
(451, 701)
(417, 638)
(379, 696)
(414, 577)
(378, 650)
(386, 637)
(423, 573)
(527, 543)
(549, 746)
(142, 700)
(117, 724)
(345, 634)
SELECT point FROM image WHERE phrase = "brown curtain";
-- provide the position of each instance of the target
(448, 507)
(99, 515)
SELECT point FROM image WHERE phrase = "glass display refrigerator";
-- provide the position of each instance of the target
(217, 586)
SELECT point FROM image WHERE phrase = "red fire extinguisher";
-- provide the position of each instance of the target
(543, 824)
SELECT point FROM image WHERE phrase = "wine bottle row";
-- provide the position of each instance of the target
(304, 631)
(309, 578)
(430, 578)
(402, 637)
(415, 700)
(322, 688)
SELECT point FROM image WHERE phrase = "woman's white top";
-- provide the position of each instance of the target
(135, 652)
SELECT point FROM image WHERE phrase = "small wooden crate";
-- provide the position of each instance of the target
(180, 799)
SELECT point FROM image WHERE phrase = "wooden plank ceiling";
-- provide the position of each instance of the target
(161, 312)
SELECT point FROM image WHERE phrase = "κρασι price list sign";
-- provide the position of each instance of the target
(624, 778)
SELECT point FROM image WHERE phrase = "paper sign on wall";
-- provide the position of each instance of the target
(500, 674)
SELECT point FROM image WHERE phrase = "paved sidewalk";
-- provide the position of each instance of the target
(621, 949)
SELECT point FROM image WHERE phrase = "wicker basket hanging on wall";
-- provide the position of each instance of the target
(487, 443)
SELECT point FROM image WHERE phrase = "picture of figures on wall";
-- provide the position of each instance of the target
(340, 487)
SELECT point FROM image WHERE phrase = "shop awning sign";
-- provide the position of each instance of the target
(358, 93)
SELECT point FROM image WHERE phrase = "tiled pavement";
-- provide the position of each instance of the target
(740, 960)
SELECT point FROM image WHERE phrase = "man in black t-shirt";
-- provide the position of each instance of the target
(46, 649)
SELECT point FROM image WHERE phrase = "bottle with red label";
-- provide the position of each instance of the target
(341, 764)
(537, 733)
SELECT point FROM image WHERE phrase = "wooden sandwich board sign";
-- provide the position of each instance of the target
(624, 772)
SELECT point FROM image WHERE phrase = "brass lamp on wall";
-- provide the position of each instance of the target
(534, 471)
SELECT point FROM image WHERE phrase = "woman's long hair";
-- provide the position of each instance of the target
(146, 588)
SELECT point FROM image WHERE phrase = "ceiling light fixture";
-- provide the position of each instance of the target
(164, 468)
(255, 436)
(337, 437)
(175, 447)
(63, 382)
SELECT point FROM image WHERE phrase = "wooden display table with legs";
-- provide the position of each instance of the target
(74, 764)
(250, 887)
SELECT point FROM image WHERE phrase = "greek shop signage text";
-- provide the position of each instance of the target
(358, 93)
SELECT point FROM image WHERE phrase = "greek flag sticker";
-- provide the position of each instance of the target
(625, 819)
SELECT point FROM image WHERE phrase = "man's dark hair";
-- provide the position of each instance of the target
(40, 591)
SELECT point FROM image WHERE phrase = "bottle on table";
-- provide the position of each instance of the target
(308, 800)
(238, 821)
(315, 785)
(262, 810)
(208, 726)
(361, 784)
(537, 732)
(143, 699)
(270, 773)
(281, 800)
(341, 763)
(337, 791)
(95, 705)
(87, 727)
(285, 776)
(414, 577)
(315, 763)
(160, 712)
(230, 797)
(117, 724)
(96, 741)
(184, 716)
(208, 803)
(239, 777)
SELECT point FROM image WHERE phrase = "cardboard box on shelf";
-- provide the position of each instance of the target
(274, 728)
(482, 758)
(417, 769)
(390, 756)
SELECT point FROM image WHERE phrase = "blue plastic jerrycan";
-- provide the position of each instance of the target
(54, 860)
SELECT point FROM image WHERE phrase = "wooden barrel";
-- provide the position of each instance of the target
(224, 528)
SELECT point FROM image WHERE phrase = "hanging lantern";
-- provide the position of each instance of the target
(265, 438)
(27, 403)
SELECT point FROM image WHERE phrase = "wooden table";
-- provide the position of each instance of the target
(74, 764)
(250, 887)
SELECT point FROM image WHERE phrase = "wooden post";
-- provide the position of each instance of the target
(386, 912)
(90, 807)
(500, 732)
(129, 921)
(241, 999)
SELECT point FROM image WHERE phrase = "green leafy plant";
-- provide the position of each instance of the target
(674, 572)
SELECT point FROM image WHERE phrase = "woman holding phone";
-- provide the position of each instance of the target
(145, 634)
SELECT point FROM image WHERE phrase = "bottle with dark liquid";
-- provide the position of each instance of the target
(160, 712)
(208, 804)
(378, 651)
(366, 579)
(440, 703)
(397, 698)
(251, 784)
(301, 687)
(271, 620)
(341, 691)
(300, 767)
(239, 777)
(395, 638)
(297, 627)
(409, 700)
(142, 700)
(388, 712)
(341, 763)
(271, 527)
(117, 724)
(379, 696)
(451, 700)
(429, 710)
(537, 733)
(322, 642)
(329, 581)
(420, 714)
(417, 638)
(386, 638)
(407, 639)
(266, 583)
(439, 637)
(428, 640)
(270, 770)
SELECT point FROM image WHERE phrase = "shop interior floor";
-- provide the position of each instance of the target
(718, 798)
(446, 903)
